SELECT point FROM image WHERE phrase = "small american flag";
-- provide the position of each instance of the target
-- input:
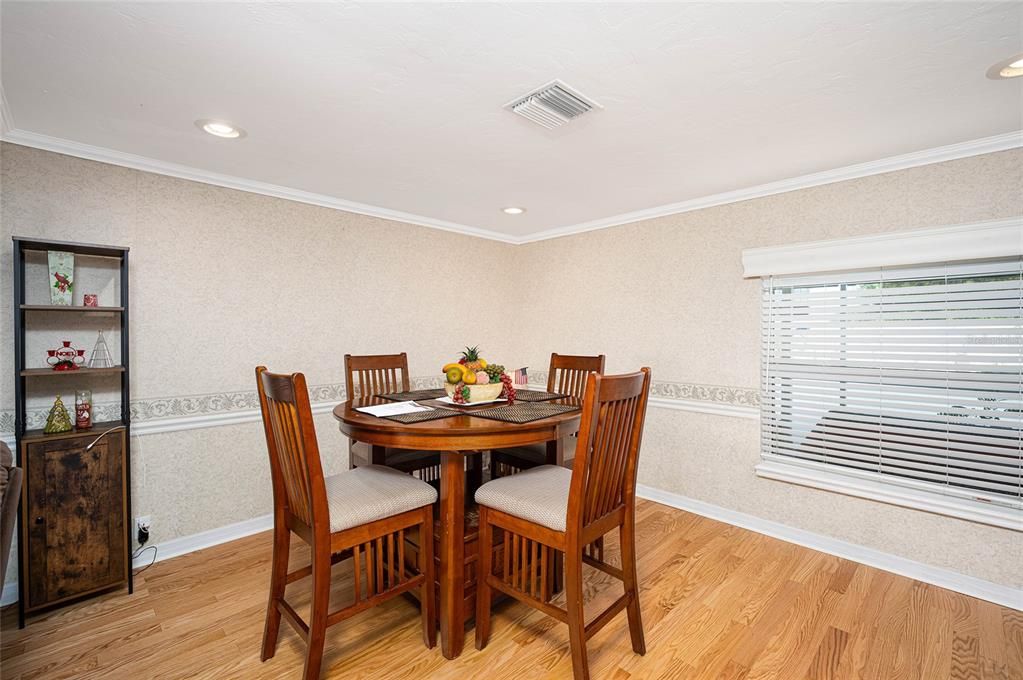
(519, 377)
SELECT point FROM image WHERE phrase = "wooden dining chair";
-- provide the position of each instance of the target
(372, 374)
(567, 375)
(549, 509)
(366, 513)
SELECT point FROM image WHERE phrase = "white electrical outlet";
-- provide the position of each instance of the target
(144, 522)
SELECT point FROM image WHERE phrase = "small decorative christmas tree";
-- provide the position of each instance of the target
(59, 419)
(101, 354)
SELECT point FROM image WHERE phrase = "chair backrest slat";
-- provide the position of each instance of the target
(567, 374)
(607, 455)
(371, 374)
(295, 467)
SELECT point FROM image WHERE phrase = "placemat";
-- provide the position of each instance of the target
(536, 395)
(414, 395)
(422, 416)
(523, 413)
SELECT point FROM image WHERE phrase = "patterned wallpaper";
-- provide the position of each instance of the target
(218, 403)
(666, 293)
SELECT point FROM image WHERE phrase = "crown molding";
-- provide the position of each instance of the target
(1002, 142)
(127, 160)
(976, 147)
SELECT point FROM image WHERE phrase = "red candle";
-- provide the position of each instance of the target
(83, 409)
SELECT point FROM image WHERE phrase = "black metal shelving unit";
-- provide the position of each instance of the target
(22, 374)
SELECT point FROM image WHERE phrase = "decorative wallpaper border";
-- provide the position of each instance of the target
(228, 403)
(678, 391)
(215, 404)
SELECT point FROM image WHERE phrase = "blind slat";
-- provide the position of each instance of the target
(912, 374)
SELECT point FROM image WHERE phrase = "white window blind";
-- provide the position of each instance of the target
(907, 376)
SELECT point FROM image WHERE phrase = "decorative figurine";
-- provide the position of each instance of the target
(59, 420)
(83, 409)
(90, 300)
(100, 357)
(62, 274)
(66, 358)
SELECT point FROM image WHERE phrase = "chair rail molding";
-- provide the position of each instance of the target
(193, 412)
(971, 241)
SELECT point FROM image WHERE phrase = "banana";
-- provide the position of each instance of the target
(448, 367)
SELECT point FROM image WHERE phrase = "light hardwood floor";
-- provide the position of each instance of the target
(718, 602)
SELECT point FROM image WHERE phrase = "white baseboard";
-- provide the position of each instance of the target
(945, 578)
(179, 546)
(205, 539)
(10, 594)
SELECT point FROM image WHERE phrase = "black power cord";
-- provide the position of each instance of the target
(143, 537)
(139, 552)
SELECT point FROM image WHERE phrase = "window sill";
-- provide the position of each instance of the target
(895, 494)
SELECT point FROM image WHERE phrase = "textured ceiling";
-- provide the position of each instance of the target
(400, 105)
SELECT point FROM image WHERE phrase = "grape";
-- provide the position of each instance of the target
(509, 389)
(494, 371)
(458, 396)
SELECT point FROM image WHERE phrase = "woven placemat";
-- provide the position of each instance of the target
(523, 413)
(414, 395)
(422, 416)
(536, 395)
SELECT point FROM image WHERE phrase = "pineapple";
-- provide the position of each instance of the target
(472, 360)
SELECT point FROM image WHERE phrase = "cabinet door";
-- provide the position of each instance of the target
(75, 518)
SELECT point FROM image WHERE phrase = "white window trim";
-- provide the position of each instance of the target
(862, 485)
(962, 242)
(973, 241)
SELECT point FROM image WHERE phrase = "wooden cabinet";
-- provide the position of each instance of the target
(75, 528)
(74, 514)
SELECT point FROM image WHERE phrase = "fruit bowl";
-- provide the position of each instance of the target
(487, 392)
(473, 379)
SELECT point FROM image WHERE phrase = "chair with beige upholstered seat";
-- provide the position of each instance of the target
(549, 510)
(566, 375)
(366, 513)
(372, 374)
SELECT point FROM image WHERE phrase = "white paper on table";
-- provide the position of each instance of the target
(395, 408)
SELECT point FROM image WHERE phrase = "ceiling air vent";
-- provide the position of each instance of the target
(552, 105)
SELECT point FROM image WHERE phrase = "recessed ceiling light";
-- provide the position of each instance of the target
(1008, 68)
(513, 211)
(219, 128)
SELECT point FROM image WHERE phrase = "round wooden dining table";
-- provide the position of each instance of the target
(455, 438)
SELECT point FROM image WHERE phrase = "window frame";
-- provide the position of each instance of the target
(1000, 239)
